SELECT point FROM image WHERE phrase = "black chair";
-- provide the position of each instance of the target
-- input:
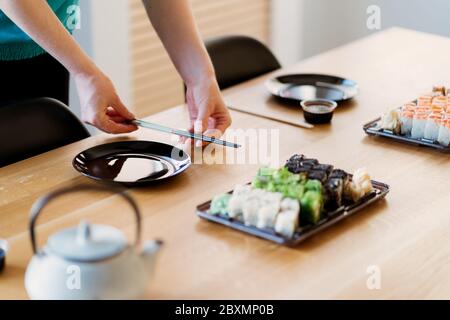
(239, 58)
(31, 127)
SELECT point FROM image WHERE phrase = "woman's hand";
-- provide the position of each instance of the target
(100, 104)
(207, 110)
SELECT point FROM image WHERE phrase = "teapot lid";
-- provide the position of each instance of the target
(87, 242)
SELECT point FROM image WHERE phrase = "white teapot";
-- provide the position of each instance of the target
(89, 261)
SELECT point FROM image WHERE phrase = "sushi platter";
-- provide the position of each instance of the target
(425, 121)
(290, 204)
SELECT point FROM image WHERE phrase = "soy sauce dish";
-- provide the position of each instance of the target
(3, 250)
(318, 111)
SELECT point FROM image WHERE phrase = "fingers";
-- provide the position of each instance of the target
(110, 126)
(123, 111)
(110, 122)
(223, 122)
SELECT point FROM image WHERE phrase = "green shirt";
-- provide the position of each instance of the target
(17, 45)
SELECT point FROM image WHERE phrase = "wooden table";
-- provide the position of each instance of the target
(407, 236)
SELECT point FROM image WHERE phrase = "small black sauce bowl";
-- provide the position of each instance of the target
(312, 113)
(3, 250)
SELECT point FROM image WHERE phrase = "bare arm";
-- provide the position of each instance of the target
(100, 104)
(174, 22)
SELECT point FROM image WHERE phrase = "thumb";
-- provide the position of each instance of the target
(122, 110)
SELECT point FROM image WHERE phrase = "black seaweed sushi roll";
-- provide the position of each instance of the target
(334, 189)
(309, 162)
(318, 175)
(299, 164)
(328, 168)
(340, 174)
(296, 158)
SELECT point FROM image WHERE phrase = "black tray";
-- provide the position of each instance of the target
(371, 129)
(304, 232)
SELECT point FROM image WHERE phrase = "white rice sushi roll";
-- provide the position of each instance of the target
(432, 127)
(418, 126)
(250, 211)
(270, 206)
(289, 204)
(444, 133)
(238, 199)
(242, 190)
(267, 216)
(272, 198)
(287, 223)
(236, 206)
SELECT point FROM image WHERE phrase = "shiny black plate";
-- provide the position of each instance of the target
(299, 87)
(132, 162)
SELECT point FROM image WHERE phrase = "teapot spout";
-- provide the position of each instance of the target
(149, 253)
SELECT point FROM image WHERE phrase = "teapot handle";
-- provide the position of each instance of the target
(37, 207)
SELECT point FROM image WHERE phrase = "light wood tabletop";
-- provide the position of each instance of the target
(406, 237)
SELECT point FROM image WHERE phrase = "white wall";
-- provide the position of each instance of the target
(325, 24)
(104, 36)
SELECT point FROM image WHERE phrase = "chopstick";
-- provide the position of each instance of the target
(161, 128)
(301, 123)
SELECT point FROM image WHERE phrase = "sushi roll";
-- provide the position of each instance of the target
(250, 211)
(406, 120)
(294, 164)
(219, 204)
(409, 107)
(432, 127)
(334, 189)
(318, 175)
(242, 190)
(438, 108)
(288, 204)
(444, 133)
(267, 215)
(309, 162)
(238, 199)
(340, 174)
(311, 207)
(236, 206)
(327, 168)
(418, 125)
(313, 185)
(424, 100)
(287, 223)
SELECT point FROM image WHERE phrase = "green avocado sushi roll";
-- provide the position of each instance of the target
(311, 207)
(219, 204)
(313, 185)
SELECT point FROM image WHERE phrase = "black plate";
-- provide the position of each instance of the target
(372, 129)
(132, 162)
(304, 232)
(299, 87)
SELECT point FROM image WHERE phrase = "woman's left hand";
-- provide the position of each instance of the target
(208, 113)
